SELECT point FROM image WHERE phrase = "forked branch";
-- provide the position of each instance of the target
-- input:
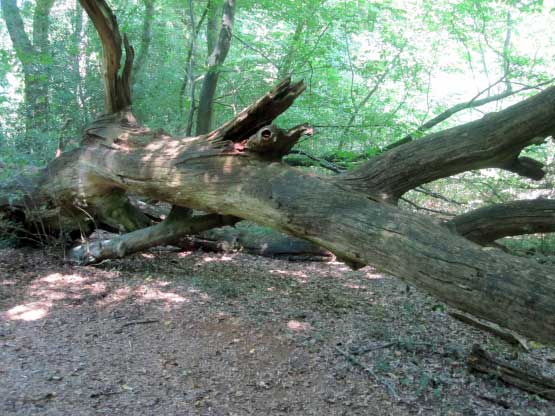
(117, 87)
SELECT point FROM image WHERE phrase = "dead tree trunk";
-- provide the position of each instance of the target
(485, 225)
(236, 170)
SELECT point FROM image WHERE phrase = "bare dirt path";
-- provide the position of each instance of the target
(186, 333)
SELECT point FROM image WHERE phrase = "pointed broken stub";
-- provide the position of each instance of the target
(273, 143)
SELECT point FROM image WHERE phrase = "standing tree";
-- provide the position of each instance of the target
(33, 56)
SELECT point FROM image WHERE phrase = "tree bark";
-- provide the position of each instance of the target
(254, 240)
(177, 225)
(32, 56)
(236, 171)
(217, 57)
(485, 225)
(495, 141)
(529, 380)
(222, 172)
(117, 86)
(146, 36)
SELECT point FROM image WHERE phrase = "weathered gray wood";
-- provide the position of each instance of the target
(215, 173)
(529, 380)
(167, 232)
(495, 141)
(488, 224)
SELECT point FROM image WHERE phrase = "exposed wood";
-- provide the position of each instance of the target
(529, 380)
(117, 86)
(214, 173)
(169, 231)
(491, 223)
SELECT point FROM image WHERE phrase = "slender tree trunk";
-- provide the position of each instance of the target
(215, 60)
(33, 57)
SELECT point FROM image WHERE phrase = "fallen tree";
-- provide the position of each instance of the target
(485, 225)
(236, 171)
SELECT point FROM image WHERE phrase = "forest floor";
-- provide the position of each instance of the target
(191, 333)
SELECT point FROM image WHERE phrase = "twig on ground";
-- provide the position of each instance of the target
(145, 321)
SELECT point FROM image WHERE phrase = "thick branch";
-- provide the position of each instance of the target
(169, 231)
(273, 143)
(495, 141)
(117, 88)
(259, 114)
(208, 173)
(488, 224)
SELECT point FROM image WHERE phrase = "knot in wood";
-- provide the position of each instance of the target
(265, 140)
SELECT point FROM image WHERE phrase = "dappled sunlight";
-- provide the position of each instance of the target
(372, 274)
(225, 257)
(228, 165)
(297, 275)
(148, 293)
(57, 286)
(355, 286)
(298, 326)
(28, 312)
(340, 266)
(117, 296)
(73, 290)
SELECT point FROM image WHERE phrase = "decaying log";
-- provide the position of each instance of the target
(259, 241)
(236, 171)
(169, 231)
(528, 380)
(488, 224)
(216, 173)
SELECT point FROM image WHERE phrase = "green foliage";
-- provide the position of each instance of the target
(375, 71)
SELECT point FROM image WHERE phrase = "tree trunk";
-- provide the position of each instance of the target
(236, 171)
(32, 56)
(218, 52)
(485, 225)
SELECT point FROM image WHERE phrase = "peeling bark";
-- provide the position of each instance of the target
(236, 171)
(169, 231)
